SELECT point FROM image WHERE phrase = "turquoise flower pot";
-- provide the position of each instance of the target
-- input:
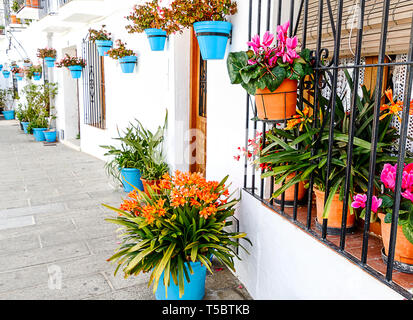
(131, 178)
(6, 74)
(38, 134)
(128, 63)
(103, 46)
(37, 76)
(19, 77)
(157, 38)
(212, 38)
(25, 125)
(8, 115)
(50, 61)
(76, 71)
(1, 67)
(193, 290)
(50, 135)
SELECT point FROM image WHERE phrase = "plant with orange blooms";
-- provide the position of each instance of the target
(183, 219)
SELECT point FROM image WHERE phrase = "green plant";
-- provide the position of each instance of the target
(152, 15)
(32, 70)
(101, 34)
(186, 13)
(15, 7)
(267, 66)
(6, 95)
(69, 61)
(120, 51)
(184, 221)
(39, 122)
(46, 53)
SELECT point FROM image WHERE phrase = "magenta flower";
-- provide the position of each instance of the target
(255, 43)
(388, 176)
(407, 180)
(408, 195)
(359, 201)
(267, 39)
(376, 203)
(282, 32)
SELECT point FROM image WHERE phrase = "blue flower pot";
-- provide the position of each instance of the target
(193, 290)
(14, 67)
(76, 71)
(50, 61)
(27, 64)
(128, 63)
(6, 74)
(8, 115)
(131, 178)
(212, 38)
(25, 125)
(1, 67)
(157, 38)
(19, 77)
(50, 136)
(37, 76)
(103, 46)
(38, 134)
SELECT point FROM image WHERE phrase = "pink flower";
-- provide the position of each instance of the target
(408, 195)
(267, 39)
(282, 32)
(255, 43)
(407, 181)
(388, 176)
(376, 203)
(359, 201)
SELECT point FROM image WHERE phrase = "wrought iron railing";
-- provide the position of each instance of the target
(262, 17)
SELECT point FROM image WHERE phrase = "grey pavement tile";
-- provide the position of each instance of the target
(16, 222)
(33, 210)
(19, 243)
(138, 292)
(24, 278)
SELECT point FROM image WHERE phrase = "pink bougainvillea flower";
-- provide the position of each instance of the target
(359, 201)
(388, 176)
(255, 43)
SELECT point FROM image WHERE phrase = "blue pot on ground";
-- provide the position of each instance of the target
(193, 290)
(50, 61)
(50, 135)
(157, 38)
(212, 38)
(76, 71)
(38, 134)
(131, 177)
(128, 63)
(37, 76)
(103, 46)
(8, 115)
(25, 125)
(6, 74)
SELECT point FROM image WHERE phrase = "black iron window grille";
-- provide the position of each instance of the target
(93, 87)
(325, 38)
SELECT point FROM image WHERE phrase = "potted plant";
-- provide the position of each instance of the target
(38, 126)
(19, 73)
(127, 58)
(156, 21)
(2, 31)
(15, 7)
(27, 63)
(74, 64)
(6, 96)
(6, 74)
(48, 55)
(102, 39)
(173, 234)
(34, 72)
(271, 73)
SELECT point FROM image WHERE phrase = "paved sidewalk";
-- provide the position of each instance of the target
(52, 227)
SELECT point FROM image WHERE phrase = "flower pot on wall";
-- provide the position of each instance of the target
(212, 38)
(8, 115)
(1, 67)
(37, 76)
(50, 135)
(128, 63)
(27, 64)
(334, 215)
(76, 71)
(403, 252)
(278, 105)
(13, 19)
(193, 290)
(6, 74)
(50, 61)
(35, 3)
(157, 38)
(28, 3)
(103, 46)
(131, 179)
(38, 134)
(19, 77)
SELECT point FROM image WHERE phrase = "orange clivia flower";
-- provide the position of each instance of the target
(393, 108)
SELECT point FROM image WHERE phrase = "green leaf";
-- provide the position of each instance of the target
(333, 191)
(235, 63)
(277, 77)
(408, 232)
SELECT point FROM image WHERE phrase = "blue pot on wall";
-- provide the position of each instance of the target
(131, 177)
(76, 71)
(8, 115)
(27, 64)
(212, 38)
(25, 125)
(6, 74)
(50, 61)
(194, 290)
(19, 77)
(157, 38)
(37, 76)
(103, 46)
(50, 135)
(38, 134)
(1, 67)
(128, 63)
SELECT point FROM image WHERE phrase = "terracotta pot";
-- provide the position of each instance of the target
(335, 213)
(35, 3)
(289, 193)
(13, 19)
(150, 183)
(28, 3)
(278, 105)
(403, 250)
(374, 228)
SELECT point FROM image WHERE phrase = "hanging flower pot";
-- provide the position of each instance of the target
(50, 135)
(38, 134)
(128, 63)
(37, 76)
(194, 290)
(6, 74)
(1, 67)
(27, 64)
(103, 46)
(8, 115)
(212, 38)
(19, 76)
(76, 71)
(50, 61)
(131, 179)
(278, 105)
(157, 38)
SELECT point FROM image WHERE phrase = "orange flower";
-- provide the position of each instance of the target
(208, 211)
(394, 108)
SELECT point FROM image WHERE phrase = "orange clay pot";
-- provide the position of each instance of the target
(151, 183)
(374, 228)
(289, 193)
(13, 19)
(277, 105)
(28, 3)
(35, 3)
(336, 210)
(403, 250)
